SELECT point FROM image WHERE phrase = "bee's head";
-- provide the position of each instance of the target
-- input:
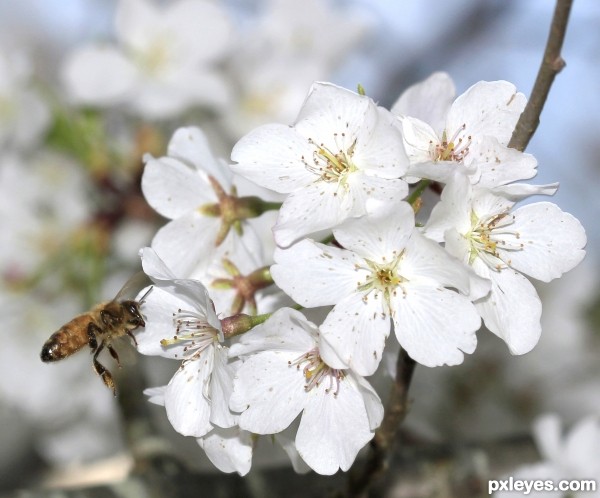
(135, 316)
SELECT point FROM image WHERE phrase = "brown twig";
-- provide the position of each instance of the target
(382, 444)
(552, 64)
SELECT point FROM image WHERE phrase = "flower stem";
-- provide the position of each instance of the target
(240, 323)
(552, 64)
(416, 193)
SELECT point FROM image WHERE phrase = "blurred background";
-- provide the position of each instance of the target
(73, 130)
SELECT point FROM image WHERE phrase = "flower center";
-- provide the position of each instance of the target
(490, 233)
(383, 278)
(455, 149)
(193, 329)
(154, 58)
(332, 166)
(315, 371)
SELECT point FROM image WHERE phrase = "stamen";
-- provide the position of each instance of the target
(192, 328)
(316, 370)
(455, 149)
(383, 278)
(491, 233)
(331, 166)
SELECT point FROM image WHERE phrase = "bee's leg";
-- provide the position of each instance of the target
(102, 371)
(130, 334)
(93, 330)
(114, 354)
(106, 376)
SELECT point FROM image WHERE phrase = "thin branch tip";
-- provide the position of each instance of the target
(552, 64)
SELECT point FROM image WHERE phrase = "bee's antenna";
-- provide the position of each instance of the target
(141, 301)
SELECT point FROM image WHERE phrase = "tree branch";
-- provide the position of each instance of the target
(382, 445)
(552, 64)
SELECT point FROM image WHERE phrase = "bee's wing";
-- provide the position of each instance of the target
(133, 286)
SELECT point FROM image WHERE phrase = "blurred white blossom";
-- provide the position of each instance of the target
(575, 456)
(163, 62)
(288, 46)
(24, 116)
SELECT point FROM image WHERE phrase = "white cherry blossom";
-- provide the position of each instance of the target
(388, 272)
(24, 116)
(473, 131)
(182, 324)
(163, 62)
(502, 245)
(283, 376)
(341, 159)
(179, 186)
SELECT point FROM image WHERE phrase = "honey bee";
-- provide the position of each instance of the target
(97, 329)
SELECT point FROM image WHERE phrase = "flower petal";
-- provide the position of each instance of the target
(333, 429)
(434, 325)
(200, 30)
(331, 272)
(287, 330)
(191, 146)
(156, 395)
(187, 405)
(383, 153)
(424, 260)
(99, 76)
(487, 108)
(230, 450)
(512, 310)
(547, 431)
(499, 164)
(286, 439)
(274, 156)
(221, 387)
(381, 235)
(136, 21)
(356, 329)
(158, 310)
(429, 100)
(154, 266)
(453, 210)
(371, 399)
(552, 241)
(418, 139)
(315, 207)
(269, 392)
(174, 189)
(581, 448)
(519, 191)
(185, 241)
(332, 113)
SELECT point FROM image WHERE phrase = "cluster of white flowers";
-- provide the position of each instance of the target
(168, 59)
(163, 61)
(349, 242)
(70, 150)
